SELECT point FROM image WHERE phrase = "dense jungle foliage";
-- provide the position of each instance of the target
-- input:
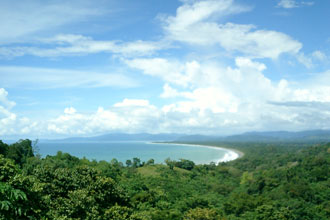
(271, 182)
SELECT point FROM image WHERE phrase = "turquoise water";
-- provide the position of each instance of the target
(123, 151)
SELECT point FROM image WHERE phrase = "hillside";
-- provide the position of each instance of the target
(271, 182)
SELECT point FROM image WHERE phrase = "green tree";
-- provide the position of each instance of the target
(11, 202)
(185, 164)
(20, 151)
(136, 162)
(3, 148)
(128, 163)
(170, 163)
(150, 162)
(269, 212)
(19, 194)
(201, 214)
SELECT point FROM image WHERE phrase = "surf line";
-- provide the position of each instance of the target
(231, 154)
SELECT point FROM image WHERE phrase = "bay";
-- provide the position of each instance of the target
(123, 151)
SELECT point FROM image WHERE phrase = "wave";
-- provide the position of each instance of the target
(228, 156)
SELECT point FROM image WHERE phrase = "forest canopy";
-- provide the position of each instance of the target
(283, 181)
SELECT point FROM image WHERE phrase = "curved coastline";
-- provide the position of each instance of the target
(231, 154)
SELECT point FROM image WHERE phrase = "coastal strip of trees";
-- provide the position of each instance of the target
(271, 182)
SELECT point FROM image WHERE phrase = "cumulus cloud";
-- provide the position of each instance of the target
(214, 99)
(7, 121)
(228, 99)
(4, 100)
(132, 102)
(194, 75)
(202, 114)
(70, 110)
(169, 92)
(126, 116)
(194, 23)
(239, 99)
(207, 96)
(171, 71)
(10, 123)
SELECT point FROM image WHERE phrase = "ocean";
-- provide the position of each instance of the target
(123, 151)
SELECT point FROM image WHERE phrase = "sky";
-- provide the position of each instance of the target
(212, 67)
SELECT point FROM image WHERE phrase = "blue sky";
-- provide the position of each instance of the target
(219, 67)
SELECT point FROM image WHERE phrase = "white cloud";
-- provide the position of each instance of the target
(4, 100)
(6, 116)
(288, 4)
(77, 45)
(194, 24)
(247, 63)
(31, 77)
(169, 92)
(10, 123)
(239, 99)
(230, 100)
(196, 75)
(190, 14)
(214, 99)
(170, 71)
(309, 59)
(127, 116)
(305, 60)
(21, 20)
(132, 103)
(70, 110)
(319, 55)
(207, 96)
(308, 3)
(190, 117)
(8, 120)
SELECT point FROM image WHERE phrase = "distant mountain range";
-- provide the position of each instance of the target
(269, 136)
(281, 136)
(121, 137)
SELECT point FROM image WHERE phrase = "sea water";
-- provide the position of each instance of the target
(123, 151)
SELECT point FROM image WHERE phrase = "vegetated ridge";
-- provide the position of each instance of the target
(281, 181)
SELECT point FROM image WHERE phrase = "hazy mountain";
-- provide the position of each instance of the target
(196, 137)
(122, 137)
(268, 136)
(275, 136)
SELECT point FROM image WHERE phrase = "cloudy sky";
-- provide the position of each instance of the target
(219, 67)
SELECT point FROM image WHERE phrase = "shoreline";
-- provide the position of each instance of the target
(230, 155)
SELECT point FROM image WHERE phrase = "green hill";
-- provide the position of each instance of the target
(272, 181)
